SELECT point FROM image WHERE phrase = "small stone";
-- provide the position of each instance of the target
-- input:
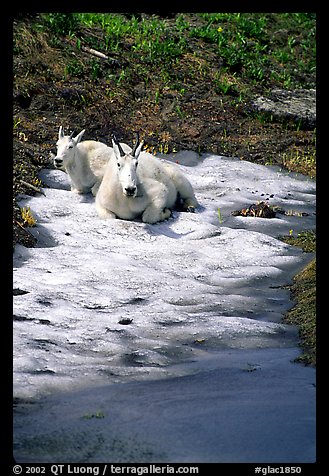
(125, 321)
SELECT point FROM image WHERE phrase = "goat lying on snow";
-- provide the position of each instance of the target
(137, 184)
(84, 162)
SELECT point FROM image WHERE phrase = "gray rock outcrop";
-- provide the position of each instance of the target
(298, 105)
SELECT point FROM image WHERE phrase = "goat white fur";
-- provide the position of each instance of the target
(138, 184)
(84, 162)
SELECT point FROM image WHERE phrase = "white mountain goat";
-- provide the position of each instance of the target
(84, 162)
(137, 184)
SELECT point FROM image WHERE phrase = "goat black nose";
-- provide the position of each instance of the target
(58, 161)
(130, 191)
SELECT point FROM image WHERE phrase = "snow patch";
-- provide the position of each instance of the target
(111, 301)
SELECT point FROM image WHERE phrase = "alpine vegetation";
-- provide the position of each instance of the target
(137, 184)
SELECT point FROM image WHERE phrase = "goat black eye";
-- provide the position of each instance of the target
(118, 165)
(70, 146)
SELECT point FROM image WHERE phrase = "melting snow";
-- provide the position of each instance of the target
(116, 300)
(171, 334)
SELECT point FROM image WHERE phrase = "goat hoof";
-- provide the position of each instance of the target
(166, 213)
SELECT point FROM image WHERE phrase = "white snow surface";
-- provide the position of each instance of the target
(126, 303)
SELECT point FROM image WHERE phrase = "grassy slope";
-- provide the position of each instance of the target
(303, 314)
(159, 66)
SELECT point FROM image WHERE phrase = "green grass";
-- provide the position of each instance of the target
(244, 42)
(303, 291)
(246, 45)
(62, 23)
(303, 314)
(147, 39)
(305, 240)
(304, 161)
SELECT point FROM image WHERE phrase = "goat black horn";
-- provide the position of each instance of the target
(119, 145)
(136, 144)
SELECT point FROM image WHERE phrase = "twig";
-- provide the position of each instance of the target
(94, 52)
(20, 225)
(36, 189)
(99, 54)
(23, 228)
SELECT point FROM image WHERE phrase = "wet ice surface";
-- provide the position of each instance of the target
(111, 302)
(239, 406)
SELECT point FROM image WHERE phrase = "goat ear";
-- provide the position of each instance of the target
(77, 138)
(60, 132)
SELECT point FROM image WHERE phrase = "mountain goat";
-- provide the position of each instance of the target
(137, 184)
(84, 162)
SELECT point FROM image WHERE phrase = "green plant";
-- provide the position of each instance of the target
(181, 114)
(157, 96)
(62, 23)
(17, 122)
(74, 68)
(305, 240)
(302, 161)
(96, 70)
(225, 86)
(246, 47)
(303, 314)
(121, 77)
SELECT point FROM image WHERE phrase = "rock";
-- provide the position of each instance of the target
(298, 105)
(125, 321)
(19, 292)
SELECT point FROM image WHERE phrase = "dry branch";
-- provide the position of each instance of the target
(36, 189)
(94, 52)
